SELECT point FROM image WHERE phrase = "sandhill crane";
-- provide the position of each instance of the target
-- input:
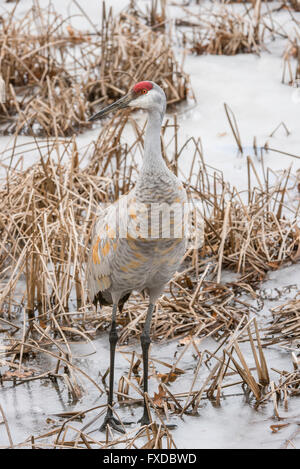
(126, 256)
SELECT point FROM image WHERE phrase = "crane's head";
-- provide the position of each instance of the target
(144, 95)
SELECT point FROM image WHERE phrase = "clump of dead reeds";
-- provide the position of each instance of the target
(258, 238)
(39, 231)
(285, 327)
(131, 52)
(26, 57)
(155, 15)
(252, 238)
(295, 4)
(225, 32)
(42, 96)
(55, 76)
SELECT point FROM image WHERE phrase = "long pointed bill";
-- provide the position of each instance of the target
(120, 104)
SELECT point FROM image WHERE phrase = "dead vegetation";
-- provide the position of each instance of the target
(291, 63)
(223, 31)
(42, 97)
(47, 213)
(133, 51)
(55, 76)
(295, 4)
(215, 376)
(154, 16)
(224, 28)
(285, 326)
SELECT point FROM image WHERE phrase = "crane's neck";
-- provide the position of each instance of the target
(153, 160)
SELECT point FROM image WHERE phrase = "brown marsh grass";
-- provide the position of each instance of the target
(56, 76)
(223, 31)
(47, 213)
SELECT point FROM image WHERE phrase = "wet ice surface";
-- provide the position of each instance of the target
(235, 424)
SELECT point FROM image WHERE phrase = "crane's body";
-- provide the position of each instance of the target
(137, 243)
(120, 264)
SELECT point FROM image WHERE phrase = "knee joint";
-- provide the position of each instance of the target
(113, 336)
(145, 339)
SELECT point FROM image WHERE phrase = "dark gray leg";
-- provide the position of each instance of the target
(145, 342)
(113, 339)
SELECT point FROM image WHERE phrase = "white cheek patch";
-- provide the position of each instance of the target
(143, 101)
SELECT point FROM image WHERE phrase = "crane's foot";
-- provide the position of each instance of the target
(113, 423)
(145, 419)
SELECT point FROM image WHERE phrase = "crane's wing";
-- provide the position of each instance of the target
(103, 245)
(111, 224)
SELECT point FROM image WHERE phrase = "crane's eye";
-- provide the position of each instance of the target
(144, 91)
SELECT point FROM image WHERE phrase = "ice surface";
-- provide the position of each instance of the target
(235, 424)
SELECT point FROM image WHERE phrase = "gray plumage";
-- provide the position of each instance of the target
(156, 184)
(123, 256)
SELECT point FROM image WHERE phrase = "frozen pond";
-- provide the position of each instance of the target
(32, 408)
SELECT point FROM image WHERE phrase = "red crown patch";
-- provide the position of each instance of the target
(142, 85)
